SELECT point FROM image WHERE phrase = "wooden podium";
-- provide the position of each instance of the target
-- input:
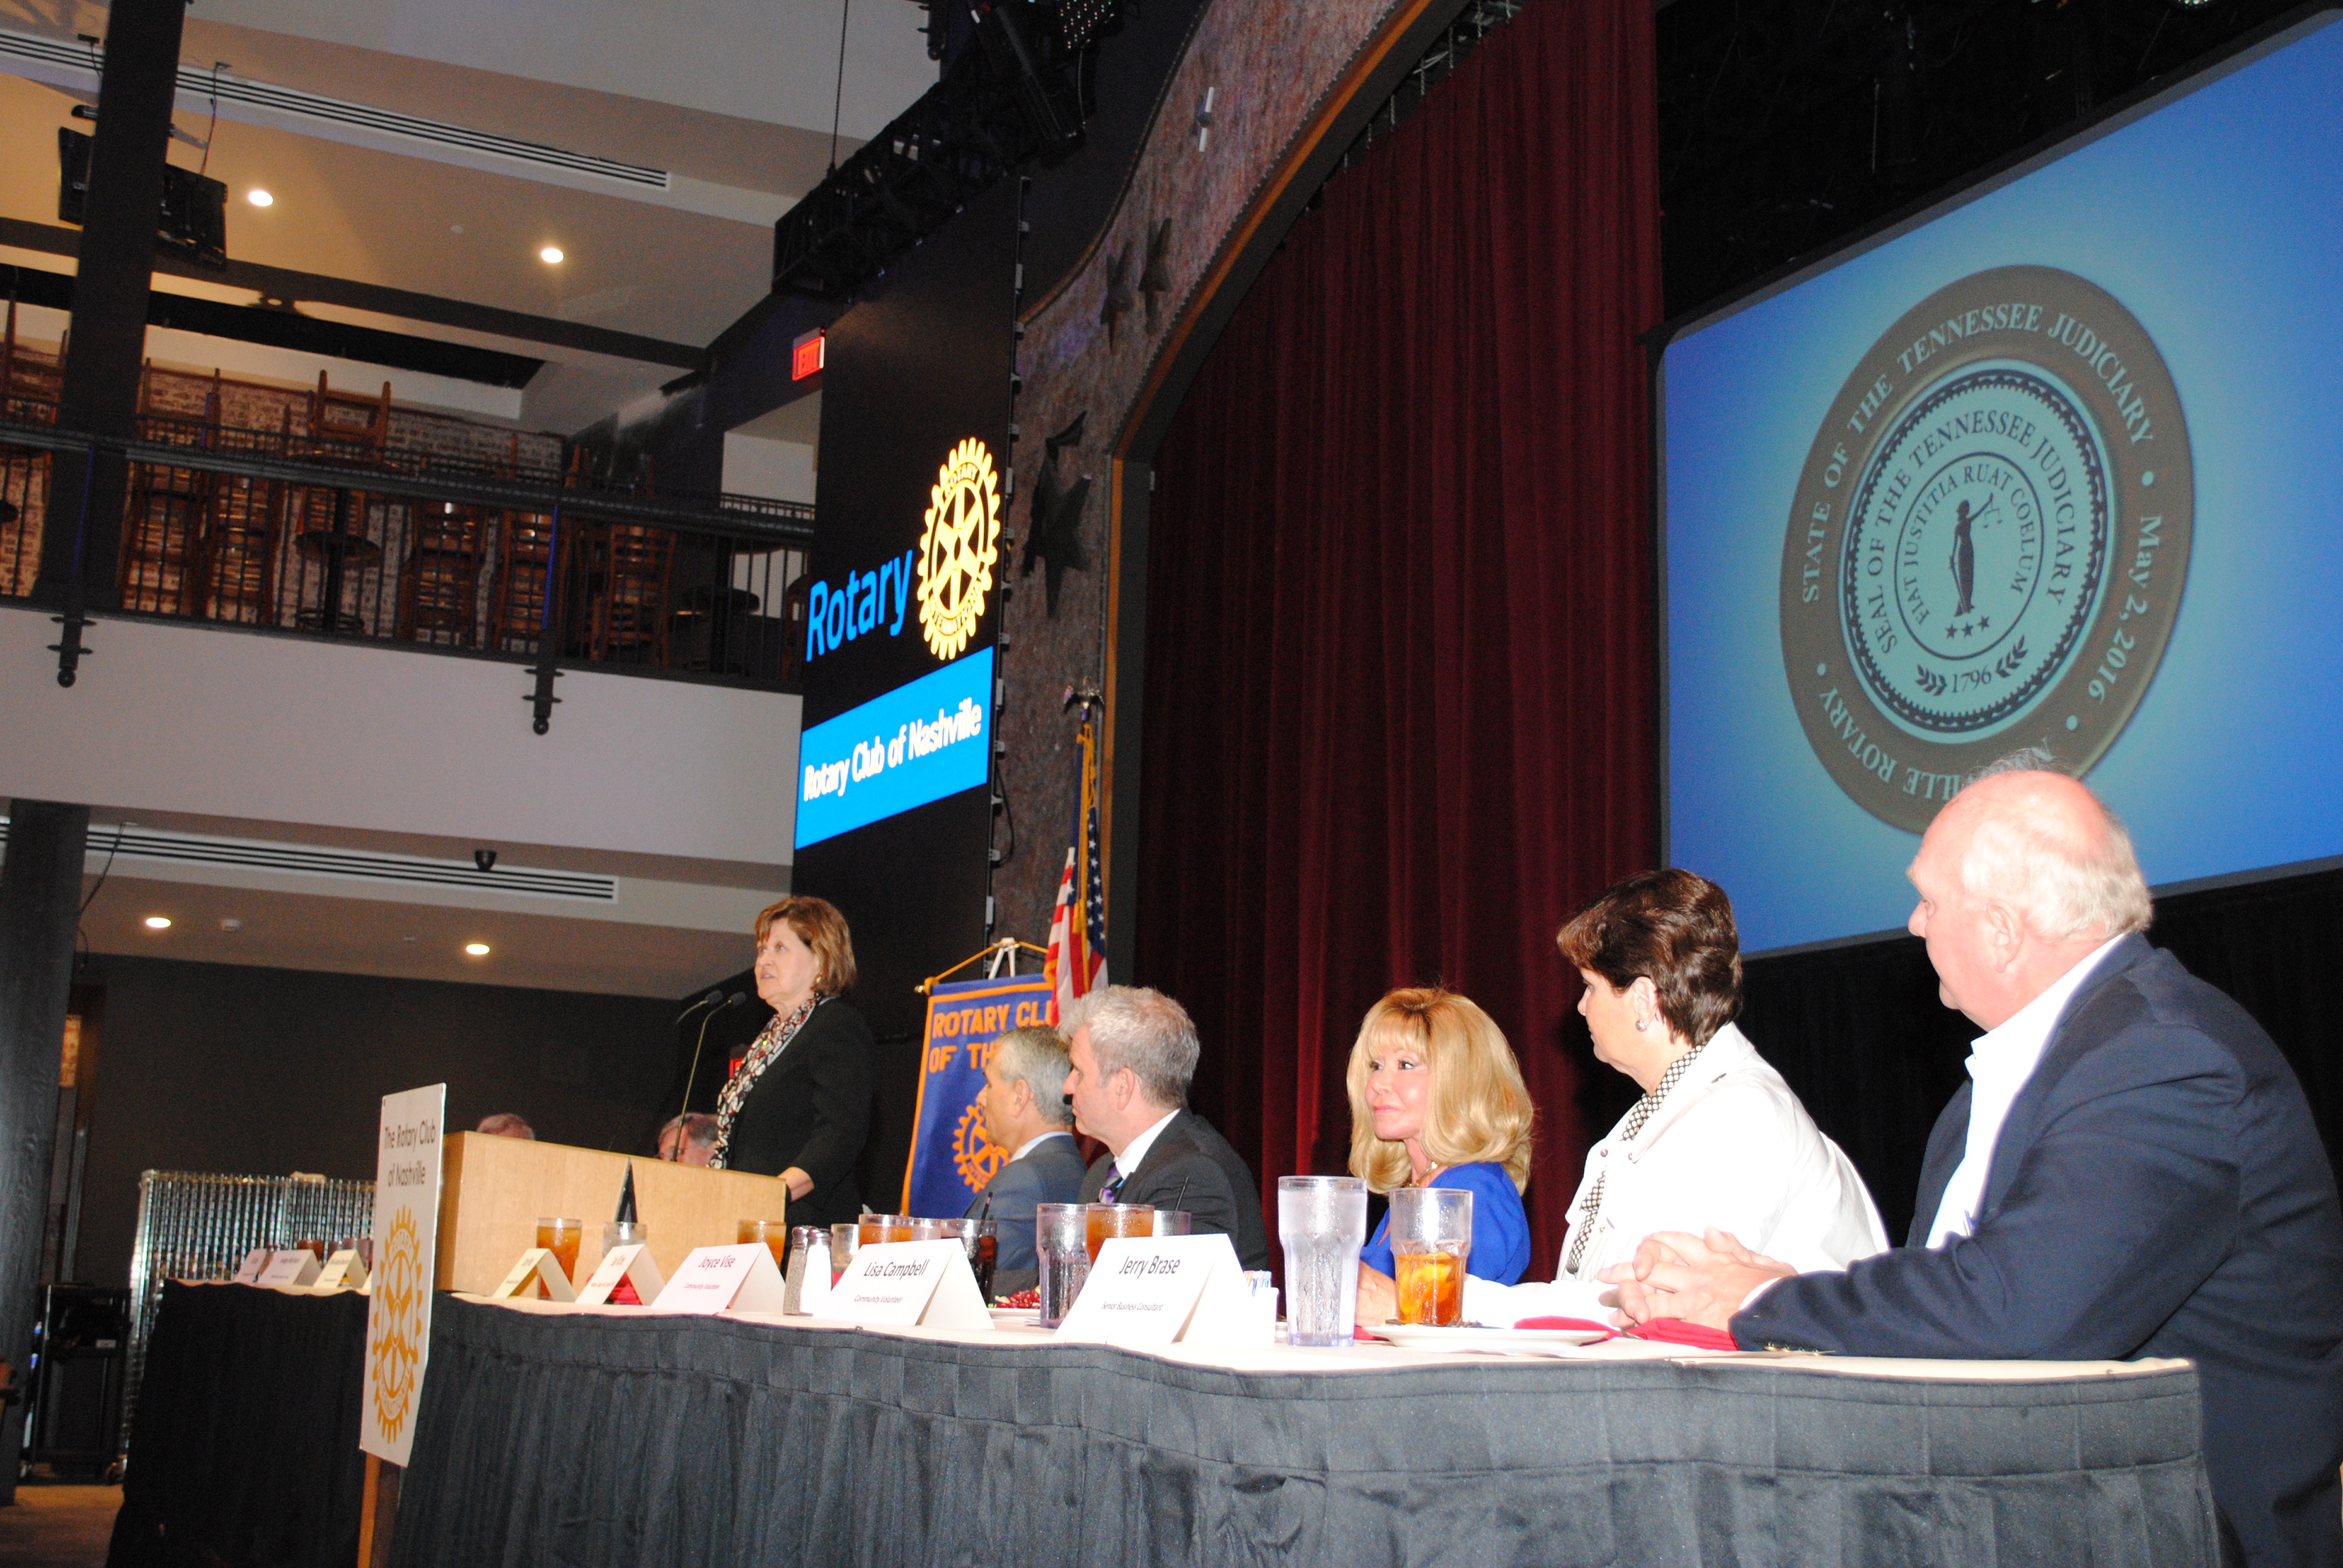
(494, 1190)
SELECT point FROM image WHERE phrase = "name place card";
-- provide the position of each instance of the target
(1155, 1290)
(248, 1272)
(289, 1266)
(902, 1284)
(343, 1270)
(537, 1266)
(713, 1279)
(631, 1265)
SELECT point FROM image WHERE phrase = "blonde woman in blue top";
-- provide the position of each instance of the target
(1437, 1101)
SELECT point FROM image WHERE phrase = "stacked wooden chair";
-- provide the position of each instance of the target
(30, 384)
(166, 522)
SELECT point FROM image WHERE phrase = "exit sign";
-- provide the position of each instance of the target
(805, 354)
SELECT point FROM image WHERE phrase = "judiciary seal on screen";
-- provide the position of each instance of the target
(1989, 541)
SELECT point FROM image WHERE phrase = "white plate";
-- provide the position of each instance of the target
(1014, 1317)
(1414, 1337)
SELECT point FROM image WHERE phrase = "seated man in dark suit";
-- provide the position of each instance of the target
(1133, 1052)
(2132, 1171)
(1024, 1103)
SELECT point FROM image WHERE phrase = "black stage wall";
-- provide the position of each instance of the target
(261, 1071)
(917, 365)
(1860, 1035)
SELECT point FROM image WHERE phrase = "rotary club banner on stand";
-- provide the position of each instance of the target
(951, 1158)
(406, 1251)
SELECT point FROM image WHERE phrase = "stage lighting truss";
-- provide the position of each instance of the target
(1022, 94)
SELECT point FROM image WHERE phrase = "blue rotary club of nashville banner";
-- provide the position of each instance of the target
(951, 1158)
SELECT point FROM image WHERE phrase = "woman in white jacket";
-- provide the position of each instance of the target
(1718, 1138)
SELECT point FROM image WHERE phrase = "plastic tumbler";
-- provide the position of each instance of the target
(1430, 1238)
(981, 1238)
(845, 1240)
(1322, 1222)
(560, 1237)
(1062, 1243)
(773, 1233)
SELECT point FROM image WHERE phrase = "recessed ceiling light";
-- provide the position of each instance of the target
(231, 925)
(158, 922)
(478, 949)
(259, 197)
(550, 254)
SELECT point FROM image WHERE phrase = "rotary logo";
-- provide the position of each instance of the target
(958, 548)
(395, 1353)
(975, 1156)
(1989, 540)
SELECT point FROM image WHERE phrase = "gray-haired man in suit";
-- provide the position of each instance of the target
(2133, 1170)
(1024, 1103)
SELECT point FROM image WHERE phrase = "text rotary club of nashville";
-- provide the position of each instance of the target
(917, 738)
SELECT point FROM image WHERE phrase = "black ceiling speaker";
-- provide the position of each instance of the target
(192, 224)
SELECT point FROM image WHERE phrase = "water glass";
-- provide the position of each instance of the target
(1062, 1243)
(1430, 1238)
(1171, 1222)
(624, 1233)
(1322, 1222)
(845, 1240)
(928, 1229)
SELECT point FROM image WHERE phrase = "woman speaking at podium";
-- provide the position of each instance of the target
(799, 1106)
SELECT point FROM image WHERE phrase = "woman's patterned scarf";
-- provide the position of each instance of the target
(768, 1046)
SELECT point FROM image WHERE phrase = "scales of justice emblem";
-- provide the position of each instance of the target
(1988, 542)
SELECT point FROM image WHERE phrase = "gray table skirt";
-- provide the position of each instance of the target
(706, 1440)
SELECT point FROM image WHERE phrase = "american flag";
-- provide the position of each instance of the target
(1076, 963)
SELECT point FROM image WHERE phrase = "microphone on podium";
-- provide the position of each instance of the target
(726, 1005)
(712, 997)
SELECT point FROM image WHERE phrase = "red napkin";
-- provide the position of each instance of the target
(1677, 1332)
(1605, 1329)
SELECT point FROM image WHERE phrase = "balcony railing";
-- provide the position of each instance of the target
(284, 532)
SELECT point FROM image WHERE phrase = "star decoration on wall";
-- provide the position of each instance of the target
(1053, 534)
(1117, 303)
(1155, 276)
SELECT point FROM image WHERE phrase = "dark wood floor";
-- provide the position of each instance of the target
(57, 1526)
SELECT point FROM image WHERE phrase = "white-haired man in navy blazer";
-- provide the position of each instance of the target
(2132, 1171)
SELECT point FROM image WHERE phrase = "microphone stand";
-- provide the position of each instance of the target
(683, 1131)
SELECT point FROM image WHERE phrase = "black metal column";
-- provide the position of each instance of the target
(40, 903)
(114, 276)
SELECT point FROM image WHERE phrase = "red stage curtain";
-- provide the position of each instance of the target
(1399, 671)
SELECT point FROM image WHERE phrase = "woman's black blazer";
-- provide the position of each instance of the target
(812, 1109)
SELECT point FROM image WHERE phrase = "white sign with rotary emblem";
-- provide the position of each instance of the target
(405, 1253)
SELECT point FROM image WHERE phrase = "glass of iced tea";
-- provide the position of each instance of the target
(774, 1234)
(889, 1228)
(1107, 1219)
(1430, 1238)
(981, 1238)
(560, 1237)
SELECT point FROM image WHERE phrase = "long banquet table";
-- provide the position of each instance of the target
(582, 1436)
